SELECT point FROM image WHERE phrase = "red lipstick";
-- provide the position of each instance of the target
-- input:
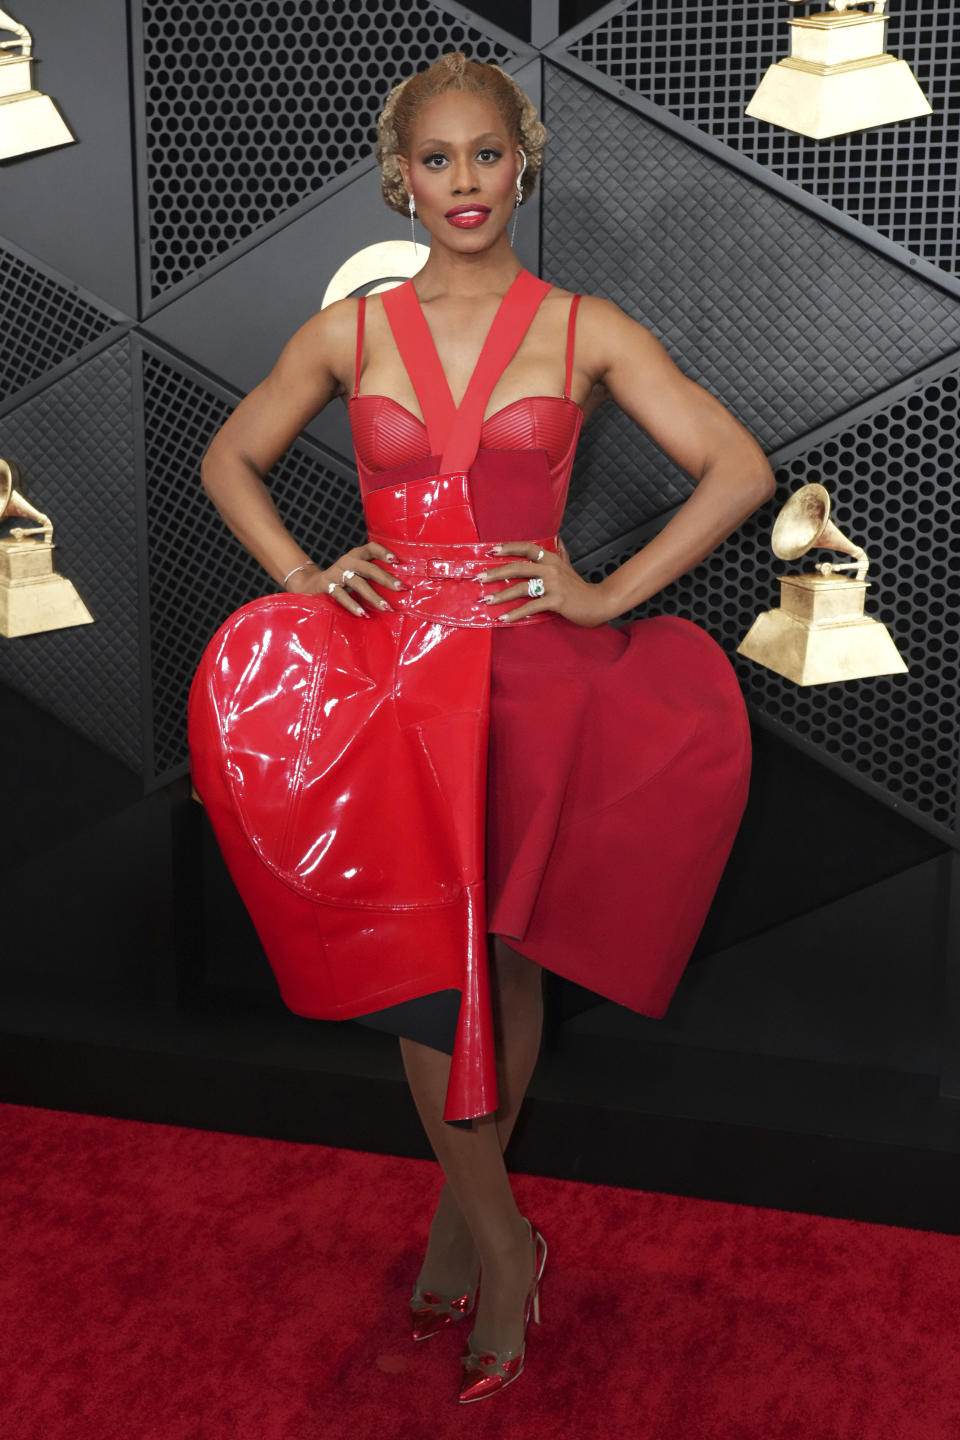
(467, 217)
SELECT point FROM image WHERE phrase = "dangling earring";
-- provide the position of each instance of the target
(413, 234)
(518, 199)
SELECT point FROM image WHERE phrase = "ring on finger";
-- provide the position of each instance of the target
(535, 586)
(334, 585)
(347, 575)
(539, 555)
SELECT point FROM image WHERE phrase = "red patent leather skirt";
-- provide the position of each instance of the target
(342, 762)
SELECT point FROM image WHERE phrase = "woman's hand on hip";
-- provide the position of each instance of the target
(350, 576)
(564, 591)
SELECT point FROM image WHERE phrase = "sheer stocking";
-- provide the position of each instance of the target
(476, 1219)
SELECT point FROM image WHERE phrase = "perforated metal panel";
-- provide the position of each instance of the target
(250, 106)
(704, 62)
(43, 323)
(732, 279)
(892, 479)
(199, 573)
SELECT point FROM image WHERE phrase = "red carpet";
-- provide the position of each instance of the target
(169, 1284)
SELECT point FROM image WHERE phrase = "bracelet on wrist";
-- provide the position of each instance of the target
(309, 565)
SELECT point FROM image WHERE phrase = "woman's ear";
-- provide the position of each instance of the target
(404, 164)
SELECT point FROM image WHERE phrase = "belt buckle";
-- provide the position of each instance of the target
(439, 569)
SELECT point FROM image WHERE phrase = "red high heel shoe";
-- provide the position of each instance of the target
(491, 1370)
(432, 1313)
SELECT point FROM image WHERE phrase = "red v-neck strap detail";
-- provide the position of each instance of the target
(454, 432)
(421, 361)
(510, 324)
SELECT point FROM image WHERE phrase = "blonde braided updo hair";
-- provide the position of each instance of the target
(455, 72)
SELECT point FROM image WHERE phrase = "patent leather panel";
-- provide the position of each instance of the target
(342, 761)
(309, 701)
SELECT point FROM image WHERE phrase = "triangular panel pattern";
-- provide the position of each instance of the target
(703, 62)
(789, 322)
(44, 323)
(74, 445)
(199, 571)
(251, 108)
(892, 480)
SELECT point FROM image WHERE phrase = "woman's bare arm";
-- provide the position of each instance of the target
(693, 428)
(314, 366)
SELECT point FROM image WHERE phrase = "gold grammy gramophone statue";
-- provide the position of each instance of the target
(29, 120)
(820, 632)
(382, 265)
(32, 596)
(838, 76)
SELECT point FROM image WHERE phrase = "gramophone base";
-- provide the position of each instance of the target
(839, 100)
(48, 602)
(817, 654)
(30, 122)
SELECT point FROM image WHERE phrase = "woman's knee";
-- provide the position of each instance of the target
(513, 970)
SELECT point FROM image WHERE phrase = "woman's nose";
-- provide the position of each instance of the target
(463, 179)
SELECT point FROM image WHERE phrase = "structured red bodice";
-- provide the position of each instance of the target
(392, 444)
(387, 434)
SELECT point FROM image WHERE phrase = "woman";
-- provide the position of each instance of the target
(609, 756)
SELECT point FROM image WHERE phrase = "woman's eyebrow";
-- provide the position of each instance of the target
(487, 135)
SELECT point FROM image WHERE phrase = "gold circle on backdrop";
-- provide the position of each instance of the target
(375, 268)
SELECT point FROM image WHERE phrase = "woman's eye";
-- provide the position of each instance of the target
(487, 155)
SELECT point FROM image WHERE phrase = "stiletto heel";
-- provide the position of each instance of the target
(432, 1313)
(490, 1371)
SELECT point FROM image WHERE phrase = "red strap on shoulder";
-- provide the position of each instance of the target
(420, 360)
(571, 327)
(361, 312)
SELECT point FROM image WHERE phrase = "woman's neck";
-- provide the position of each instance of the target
(467, 276)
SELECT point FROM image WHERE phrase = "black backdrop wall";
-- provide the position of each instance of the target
(150, 275)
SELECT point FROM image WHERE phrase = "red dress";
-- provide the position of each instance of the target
(388, 790)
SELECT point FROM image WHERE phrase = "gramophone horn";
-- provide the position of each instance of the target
(9, 478)
(13, 503)
(804, 524)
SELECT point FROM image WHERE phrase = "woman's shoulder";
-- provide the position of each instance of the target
(606, 334)
(326, 341)
(590, 308)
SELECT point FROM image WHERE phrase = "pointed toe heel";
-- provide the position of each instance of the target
(486, 1372)
(431, 1313)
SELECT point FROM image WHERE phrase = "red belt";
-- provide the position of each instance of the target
(441, 579)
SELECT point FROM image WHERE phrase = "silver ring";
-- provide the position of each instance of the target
(539, 555)
(347, 575)
(535, 586)
(333, 586)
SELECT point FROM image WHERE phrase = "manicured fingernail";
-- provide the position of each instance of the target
(384, 605)
(480, 578)
(504, 617)
(497, 549)
(390, 557)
